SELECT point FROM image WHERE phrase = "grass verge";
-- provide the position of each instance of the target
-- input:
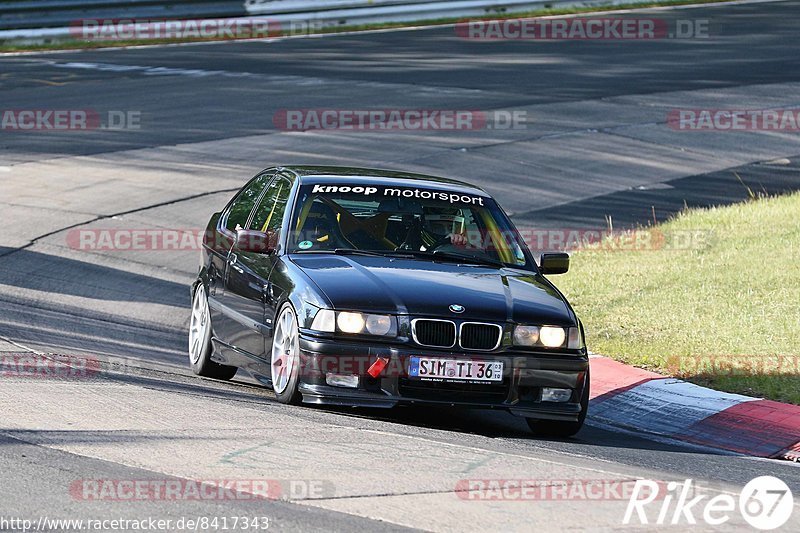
(715, 301)
(71, 44)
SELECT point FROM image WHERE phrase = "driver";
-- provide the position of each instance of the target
(428, 232)
(446, 226)
(426, 229)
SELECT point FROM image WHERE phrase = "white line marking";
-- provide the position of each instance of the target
(21, 346)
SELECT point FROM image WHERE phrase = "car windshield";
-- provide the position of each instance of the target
(410, 221)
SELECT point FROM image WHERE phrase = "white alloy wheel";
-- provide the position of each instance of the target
(285, 350)
(200, 326)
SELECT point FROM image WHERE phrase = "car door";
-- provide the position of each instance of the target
(236, 215)
(246, 285)
(216, 246)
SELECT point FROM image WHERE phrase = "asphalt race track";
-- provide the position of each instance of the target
(594, 142)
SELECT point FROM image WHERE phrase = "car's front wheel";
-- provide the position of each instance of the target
(560, 428)
(200, 348)
(285, 361)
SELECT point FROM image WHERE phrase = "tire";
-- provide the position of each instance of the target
(285, 357)
(560, 428)
(200, 348)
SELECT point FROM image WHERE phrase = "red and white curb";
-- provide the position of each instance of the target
(633, 399)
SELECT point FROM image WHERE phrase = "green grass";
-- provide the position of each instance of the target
(733, 297)
(71, 44)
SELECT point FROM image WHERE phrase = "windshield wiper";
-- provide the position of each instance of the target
(469, 258)
(340, 251)
(453, 256)
(412, 254)
(374, 253)
(356, 251)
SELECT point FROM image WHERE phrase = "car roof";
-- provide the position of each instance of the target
(311, 175)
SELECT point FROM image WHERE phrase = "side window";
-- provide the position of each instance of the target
(269, 214)
(244, 202)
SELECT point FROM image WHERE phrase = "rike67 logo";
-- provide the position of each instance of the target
(765, 503)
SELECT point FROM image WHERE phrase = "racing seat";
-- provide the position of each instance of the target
(406, 231)
(321, 227)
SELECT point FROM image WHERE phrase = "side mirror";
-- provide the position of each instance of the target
(554, 263)
(248, 240)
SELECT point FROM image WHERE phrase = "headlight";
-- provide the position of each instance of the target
(325, 320)
(353, 322)
(575, 341)
(552, 336)
(350, 322)
(379, 324)
(526, 335)
(548, 336)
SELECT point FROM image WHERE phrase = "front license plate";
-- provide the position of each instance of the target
(455, 369)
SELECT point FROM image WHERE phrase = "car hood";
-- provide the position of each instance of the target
(428, 288)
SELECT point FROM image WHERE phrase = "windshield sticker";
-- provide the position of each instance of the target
(305, 245)
(397, 192)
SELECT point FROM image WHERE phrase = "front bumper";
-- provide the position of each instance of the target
(525, 374)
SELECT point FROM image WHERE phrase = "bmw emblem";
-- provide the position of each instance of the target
(457, 308)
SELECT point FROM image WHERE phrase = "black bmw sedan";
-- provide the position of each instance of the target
(362, 287)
